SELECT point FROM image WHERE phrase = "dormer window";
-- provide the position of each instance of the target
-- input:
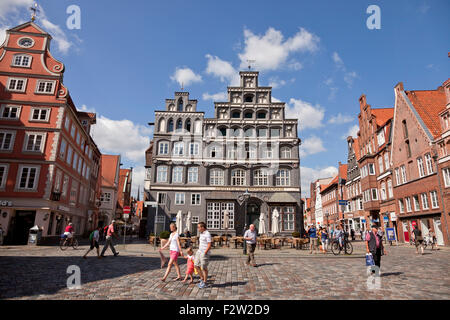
(45, 86)
(22, 60)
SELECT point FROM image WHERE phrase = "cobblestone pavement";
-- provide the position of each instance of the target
(40, 273)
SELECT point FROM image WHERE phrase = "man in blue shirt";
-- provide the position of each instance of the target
(312, 233)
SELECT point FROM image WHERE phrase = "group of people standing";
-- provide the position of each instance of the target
(322, 233)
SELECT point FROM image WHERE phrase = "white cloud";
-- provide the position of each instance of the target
(220, 96)
(222, 69)
(271, 50)
(57, 33)
(10, 7)
(309, 175)
(309, 116)
(352, 131)
(131, 143)
(311, 145)
(185, 76)
(340, 119)
(85, 108)
(337, 60)
(276, 82)
(349, 76)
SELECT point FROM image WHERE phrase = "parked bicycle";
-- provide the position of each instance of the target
(336, 248)
(65, 242)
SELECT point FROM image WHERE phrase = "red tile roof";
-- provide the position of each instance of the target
(428, 104)
(109, 165)
(382, 115)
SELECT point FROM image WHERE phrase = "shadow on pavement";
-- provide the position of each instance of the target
(31, 275)
(229, 284)
(391, 274)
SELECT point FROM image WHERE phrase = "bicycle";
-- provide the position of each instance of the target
(336, 248)
(64, 243)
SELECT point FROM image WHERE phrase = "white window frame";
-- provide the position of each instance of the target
(216, 177)
(178, 149)
(27, 140)
(416, 202)
(24, 86)
(261, 177)
(408, 204)
(380, 164)
(283, 179)
(4, 178)
(238, 177)
(194, 149)
(177, 174)
(371, 169)
(163, 148)
(286, 153)
(420, 167)
(434, 200)
(46, 83)
(40, 109)
(20, 64)
(196, 199)
(105, 197)
(19, 177)
(180, 198)
(446, 175)
(403, 174)
(193, 175)
(160, 171)
(374, 194)
(401, 206)
(4, 106)
(386, 161)
(11, 143)
(389, 189)
(425, 204)
(429, 163)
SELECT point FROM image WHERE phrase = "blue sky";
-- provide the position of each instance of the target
(319, 56)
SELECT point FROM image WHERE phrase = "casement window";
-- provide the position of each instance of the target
(380, 164)
(45, 86)
(67, 123)
(193, 175)
(177, 175)
(268, 153)
(78, 138)
(34, 142)
(40, 114)
(238, 177)
(28, 177)
(163, 148)
(195, 219)
(401, 206)
(216, 177)
(72, 131)
(80, 164)
(65, 186)
(275, 133)
(215, 215)
(374, 193)
(390, 191)
(371, 169)
(195, 199)
(231, 153)
(179, 199)
(446, 175)
(403, 171)
(73, 193)
(262, 132)
(7, 140)
(288, 218)
(383, 191)
(425, 205)
(57, 183)
(178, 149)
(22, 60)
(105, 197)
(386, 161)
(381, 138)
(3, 175)
(360, 204)
(10, 112)
(408, 204)
(283, 177)
(434, 200)
(261, 177)
(416, 203)
(161, 174)
(194, 149)
(161, 197)
(397, 177)
(69, 155)
(285, 153)
(17, 84)
(420, 167)
(429, 163)
(88, 172)
(75, 161)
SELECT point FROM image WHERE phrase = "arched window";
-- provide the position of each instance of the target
(285, 153)
(172, 107)
(236, 115)
(283, 177)
(179, 125)
(180, 104)
(188, 125)
(170, 126)
(238, 177)
(390, 192)
(261, 115)
(162, 125)
(249, 132)
(223, 131)
(383, 191)
(248, 115)
(261, 177)
(189, 108)
(216, 177)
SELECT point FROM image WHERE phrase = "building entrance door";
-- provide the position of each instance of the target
(253, 212)
(21, 224)
(405, 232)
(438, 231)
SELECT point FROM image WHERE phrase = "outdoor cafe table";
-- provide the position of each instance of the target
(236, 240)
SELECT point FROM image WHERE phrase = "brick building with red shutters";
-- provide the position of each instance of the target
(49, 163)
(418, 130)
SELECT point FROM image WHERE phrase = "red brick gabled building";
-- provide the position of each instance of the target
(417, 188)
(124, 190)
(48, 160)
(331, 194)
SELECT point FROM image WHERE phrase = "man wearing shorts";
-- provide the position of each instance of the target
(201, 260)
(94, 237)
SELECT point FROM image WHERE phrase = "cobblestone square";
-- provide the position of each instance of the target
(40, 273)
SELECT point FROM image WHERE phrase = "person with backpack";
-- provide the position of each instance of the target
(418, 239)
(94, 238)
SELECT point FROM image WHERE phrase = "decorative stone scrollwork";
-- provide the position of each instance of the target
(57, 67)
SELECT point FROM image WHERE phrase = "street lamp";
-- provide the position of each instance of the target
(246, 196)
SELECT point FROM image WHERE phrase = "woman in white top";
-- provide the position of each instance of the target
(175, 251)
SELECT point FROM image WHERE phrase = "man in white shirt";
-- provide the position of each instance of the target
(201, 260)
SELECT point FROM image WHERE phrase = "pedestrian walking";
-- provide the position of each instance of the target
(190, 265)
(312, 233)
(175, 251)
(202, 255)
(250, 238)
(109, 241)
(418, 239)
(324, 239)
(432, 236)
(374, 245)
(94, 238)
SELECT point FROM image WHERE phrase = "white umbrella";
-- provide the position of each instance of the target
(179, 222)
(275, 222)
(189, 221)
(226, 220)
(262, 223)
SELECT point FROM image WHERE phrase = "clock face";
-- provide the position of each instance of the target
(26, 42)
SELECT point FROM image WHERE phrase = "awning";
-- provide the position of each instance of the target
(282, 197)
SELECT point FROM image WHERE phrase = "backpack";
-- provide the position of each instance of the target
(91, 236)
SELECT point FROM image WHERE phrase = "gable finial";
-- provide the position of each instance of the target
(250, 63)
(34, 10)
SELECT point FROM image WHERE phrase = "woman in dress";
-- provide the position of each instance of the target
(175, 251)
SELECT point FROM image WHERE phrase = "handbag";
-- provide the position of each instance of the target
(369, 260)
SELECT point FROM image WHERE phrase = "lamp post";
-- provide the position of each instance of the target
(246, 196)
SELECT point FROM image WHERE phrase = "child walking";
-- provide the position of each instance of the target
(190, 265)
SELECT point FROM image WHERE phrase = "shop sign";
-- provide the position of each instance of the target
(393, 216)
